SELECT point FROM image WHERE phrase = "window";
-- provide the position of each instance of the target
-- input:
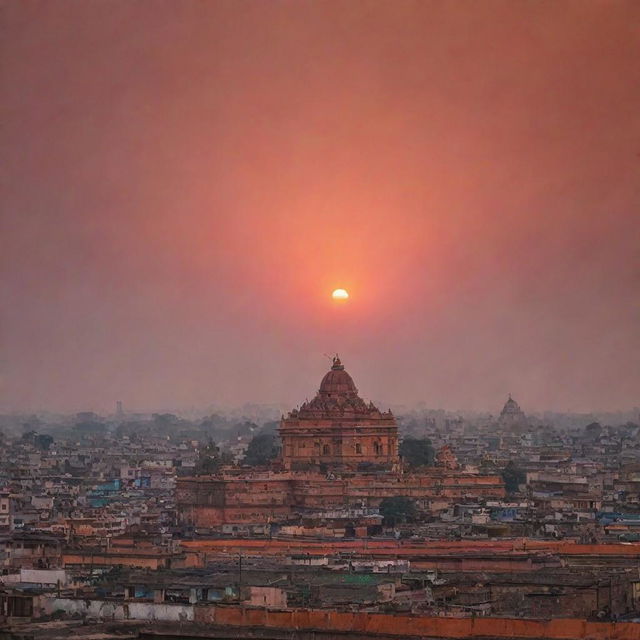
(358, 448)
(326, 450)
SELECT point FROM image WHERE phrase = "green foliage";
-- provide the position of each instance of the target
(513, 477)
(417, 452)
(210, 460)
(245, 428)
(593, 430)
(43, 441)
(398, 509)
(261, 450)
(270, 427)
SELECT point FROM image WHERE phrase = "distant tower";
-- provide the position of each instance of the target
(119, 410)
(512, 415)
(446, 458)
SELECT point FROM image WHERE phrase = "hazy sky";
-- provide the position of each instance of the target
(185, 182)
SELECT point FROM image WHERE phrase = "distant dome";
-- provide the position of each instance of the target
(512, 415)
(337, 381)
(511, 407)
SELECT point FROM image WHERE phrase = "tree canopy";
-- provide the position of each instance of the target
(261, 450)
(210, 459)
(513, 477)
(41, 441)
(398, 509)
(417, 452)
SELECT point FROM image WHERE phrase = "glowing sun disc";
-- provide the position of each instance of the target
(340, 294)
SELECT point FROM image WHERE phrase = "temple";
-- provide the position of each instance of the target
(338, 452)
(338, 430)
(512, 416)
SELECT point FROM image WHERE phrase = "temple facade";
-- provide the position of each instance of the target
(338, 430)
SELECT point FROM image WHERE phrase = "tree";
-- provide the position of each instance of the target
(398, 509)
(593, 430)
(29, 437)
(513, 477)
(40, 441)
(261, 450)
(43, 441)
(210, 460)
(417, 452)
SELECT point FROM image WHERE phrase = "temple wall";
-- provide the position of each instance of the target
(208, 502)
(339, 444)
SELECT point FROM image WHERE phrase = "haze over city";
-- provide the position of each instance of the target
(185, 184)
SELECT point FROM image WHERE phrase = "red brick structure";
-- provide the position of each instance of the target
(338, 451)
(446, 458)
(363, 625)
(338, 429)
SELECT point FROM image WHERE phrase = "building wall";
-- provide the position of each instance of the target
(271, 597)
(212, 501)
(417, 626)
(116, 610)
(114, 559)
(344, 622)
(345, 444)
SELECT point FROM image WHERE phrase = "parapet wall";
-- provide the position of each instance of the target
(417, 626)
(401, 626)
(258, 497)
(373, 546)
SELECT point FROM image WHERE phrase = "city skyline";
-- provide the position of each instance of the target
(186, 184)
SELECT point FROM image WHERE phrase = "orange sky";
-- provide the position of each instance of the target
(186, 182)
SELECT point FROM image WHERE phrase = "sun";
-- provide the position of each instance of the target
(340, 294)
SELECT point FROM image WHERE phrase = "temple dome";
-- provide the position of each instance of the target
(338, 429)
(512, 415)
(511, 406)
(338, 399)
(337, 381)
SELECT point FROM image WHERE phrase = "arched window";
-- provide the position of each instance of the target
(358, 448)
(377, 448)
(326, 450)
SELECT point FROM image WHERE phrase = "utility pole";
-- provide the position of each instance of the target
(610, 601)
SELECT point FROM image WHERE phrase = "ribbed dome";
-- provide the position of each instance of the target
(337, 381)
